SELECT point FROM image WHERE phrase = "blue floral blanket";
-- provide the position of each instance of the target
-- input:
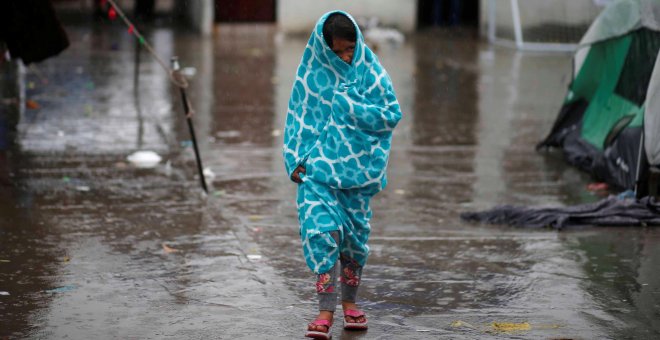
(339, 127)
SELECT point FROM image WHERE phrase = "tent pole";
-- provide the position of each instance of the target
(515, 13)
(639, 162)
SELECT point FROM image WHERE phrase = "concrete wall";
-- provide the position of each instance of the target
(299, 16)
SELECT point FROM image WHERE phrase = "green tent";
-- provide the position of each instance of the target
(609, 124)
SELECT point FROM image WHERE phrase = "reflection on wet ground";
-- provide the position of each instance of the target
(92, 247)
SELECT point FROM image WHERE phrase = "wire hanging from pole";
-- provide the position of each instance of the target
(175, 76)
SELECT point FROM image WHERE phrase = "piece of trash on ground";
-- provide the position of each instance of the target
(4, 261)
(459, 323)
(31, 104)
(423, 330)
(189, 71)
(144, 159)
(276, 133)
(4, 293)
(208, 174)
(510, 326)
(186, 143)
(254, 257)
(66, 259)
(597, 186)
(399, 192)
(228, 134)
(255, 217)
(62, 289)
(169, 250)
(83, 188)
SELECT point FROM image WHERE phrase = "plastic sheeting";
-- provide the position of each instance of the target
(652, 118)
(621, 17)
(612, 211)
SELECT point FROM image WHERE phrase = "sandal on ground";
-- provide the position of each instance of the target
(355, 314)
(319, 334)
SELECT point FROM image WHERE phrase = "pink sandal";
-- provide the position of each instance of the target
(354, 313)
(317, 334)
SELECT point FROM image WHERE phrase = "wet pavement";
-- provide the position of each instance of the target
(95, 248)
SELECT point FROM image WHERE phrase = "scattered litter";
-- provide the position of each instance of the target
(66, 259)
(62, 289)
(189, 71)
(60, 133)
(459, 323)
(400, 192)
(219, 193)
(208, 174)
(31, 85)
(186, 144)
(4, 293)
(423, 330)
(169, 250)
(10, 101)
(597, 186)
(228, 134)
(32, 105)
(254, 257)
(82, 188)
(626, 195)
(144, 159)
(510, 326)
(4, 261)
(89, 110)
(255, 217)
(382, 35)
(276, 133)
(89, 85)
(66, 179)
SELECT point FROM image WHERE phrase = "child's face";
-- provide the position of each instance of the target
(343, 49)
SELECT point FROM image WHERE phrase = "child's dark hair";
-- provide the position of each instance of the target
(338, 26)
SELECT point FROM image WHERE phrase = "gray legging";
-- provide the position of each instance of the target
(351, 272)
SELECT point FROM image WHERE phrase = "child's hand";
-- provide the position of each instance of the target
(295, 176)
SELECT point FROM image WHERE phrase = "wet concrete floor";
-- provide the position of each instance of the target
(92, 247)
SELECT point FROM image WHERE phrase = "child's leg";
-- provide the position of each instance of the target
(326, 285)
(351, 273)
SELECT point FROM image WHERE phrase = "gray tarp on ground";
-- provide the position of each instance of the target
(612, 211)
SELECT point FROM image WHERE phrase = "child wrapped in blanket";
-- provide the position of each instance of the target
(337, 141)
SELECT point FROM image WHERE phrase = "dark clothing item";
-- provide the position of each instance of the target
(31, 30)
(612, 211)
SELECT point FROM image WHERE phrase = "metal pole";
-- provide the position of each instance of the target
(515, 12)
(491, 21)
(186, 109)
(639, 163)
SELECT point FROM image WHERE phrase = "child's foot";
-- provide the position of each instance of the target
(320, 327)
(354, 318)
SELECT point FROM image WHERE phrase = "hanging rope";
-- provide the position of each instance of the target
(175, 76)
